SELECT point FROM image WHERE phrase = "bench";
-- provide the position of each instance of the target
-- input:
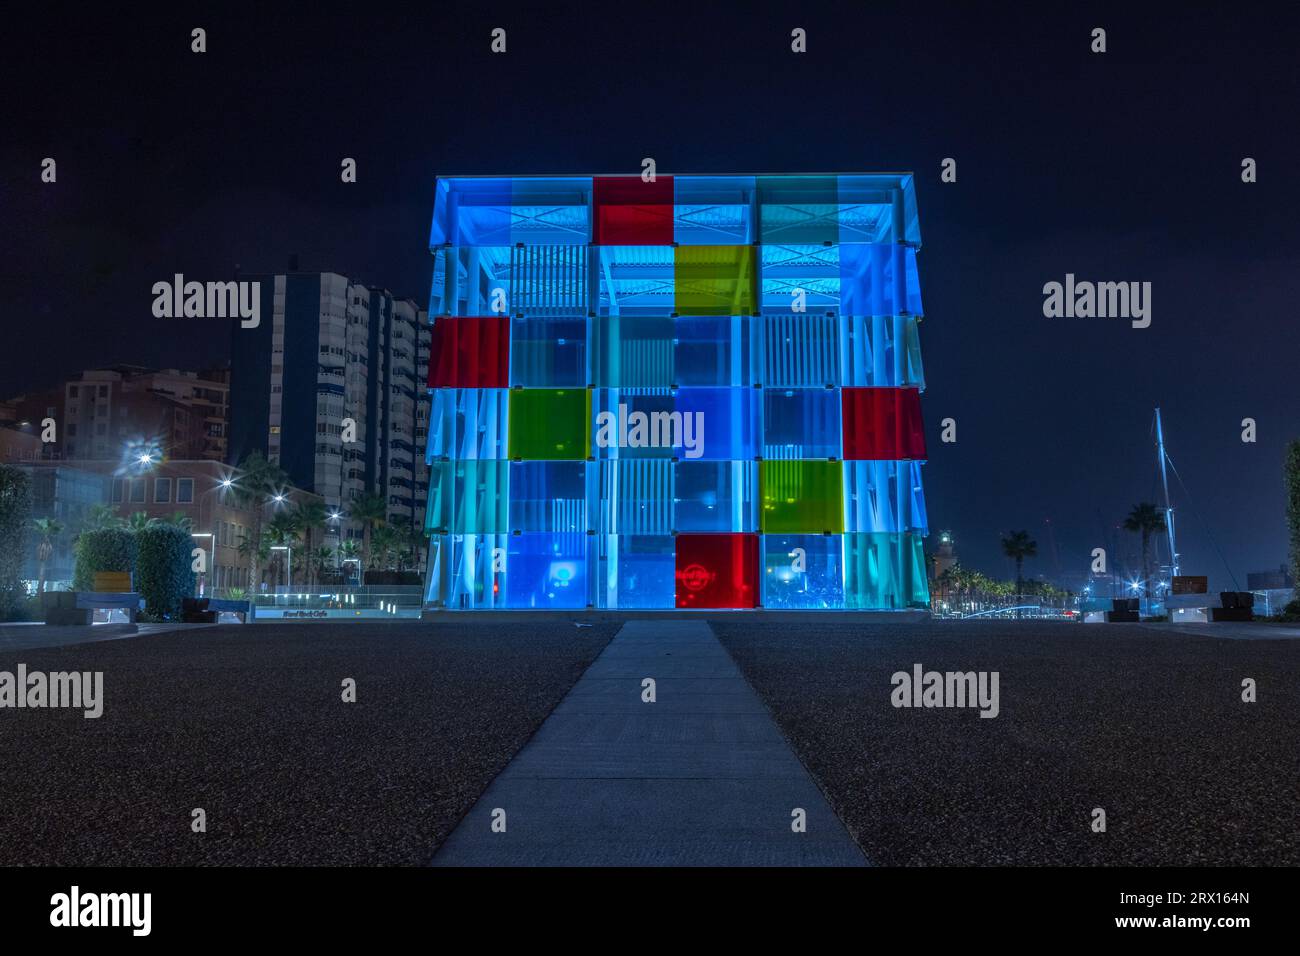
(206, 610)
(112, 591)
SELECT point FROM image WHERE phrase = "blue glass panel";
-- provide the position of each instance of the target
(548, 496)
(717, 350)
(548, 280)
(723, 424)
(878, 208)
(881, 350)
(636, 571)
(713, 210)
(468, 496)
(503, 212)
(633, 423)
(636, 280)
(878, 280)
(808, 268)
(803, 571)
(719, 496)
(546, 570)
(548, 351)
(629, 350)
(636, 497)
(471, 280)
(884, 496)
(801, 350)
(801, 423)
(468, 423)
(798, 209)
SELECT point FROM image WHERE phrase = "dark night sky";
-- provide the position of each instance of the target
(1122, 166)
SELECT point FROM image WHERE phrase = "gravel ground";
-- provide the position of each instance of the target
(1148, 725)
(247, 722)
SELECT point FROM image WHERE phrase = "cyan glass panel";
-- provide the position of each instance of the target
(632, 350)
(717, 350)
(467, 571)
(548, 496)
(720, 423)
(713, 210)
(502, 212)
(548, 351)
(803, 571)
(884, 496)
(634, 423)
(884, 571)
(635, 280)
(881, 351)
(636, 496)
(468, 496)
(546, 570)
(468, 423)
(801, 350)
(636, 571)
(720, 496)
(801, 423)
(798, 209)
(800, 276)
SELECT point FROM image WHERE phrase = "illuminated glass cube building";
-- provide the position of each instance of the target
(696, 392)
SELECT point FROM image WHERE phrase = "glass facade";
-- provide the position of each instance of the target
(696, 392)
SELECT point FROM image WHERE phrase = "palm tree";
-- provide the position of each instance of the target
(1018, 545)
(49, 528)
(371, 509)
(349, 550)
(139, 521)
(255, 551)
(385, 541)
(257, 481)
(310, 515)
(320, 559)
(180, 519)
(100, 517)
(1145, 519)
(282, 531)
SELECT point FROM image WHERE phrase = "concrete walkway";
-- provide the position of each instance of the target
(701, 777)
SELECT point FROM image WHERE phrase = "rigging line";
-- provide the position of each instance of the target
(1204, 525)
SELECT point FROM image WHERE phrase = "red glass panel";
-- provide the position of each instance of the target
(883, 424)
(627, 211)
(717, 570)
(470, 352)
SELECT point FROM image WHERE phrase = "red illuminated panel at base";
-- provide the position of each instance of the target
(627, 211)
(717, 570)
(882, 424)
(470, 352)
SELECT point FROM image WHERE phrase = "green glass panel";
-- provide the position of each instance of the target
(715, 280)
(550, 424)
(803, 497)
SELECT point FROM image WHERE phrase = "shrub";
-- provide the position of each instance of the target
(15, 517)
(107, 549)
(162, 569)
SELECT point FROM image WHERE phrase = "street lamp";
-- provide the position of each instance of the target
(212, 558)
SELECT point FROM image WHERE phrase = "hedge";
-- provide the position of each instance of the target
(108, 549)
(15, 518)
(163, 572)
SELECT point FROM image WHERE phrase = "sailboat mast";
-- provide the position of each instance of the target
(1164, 481)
